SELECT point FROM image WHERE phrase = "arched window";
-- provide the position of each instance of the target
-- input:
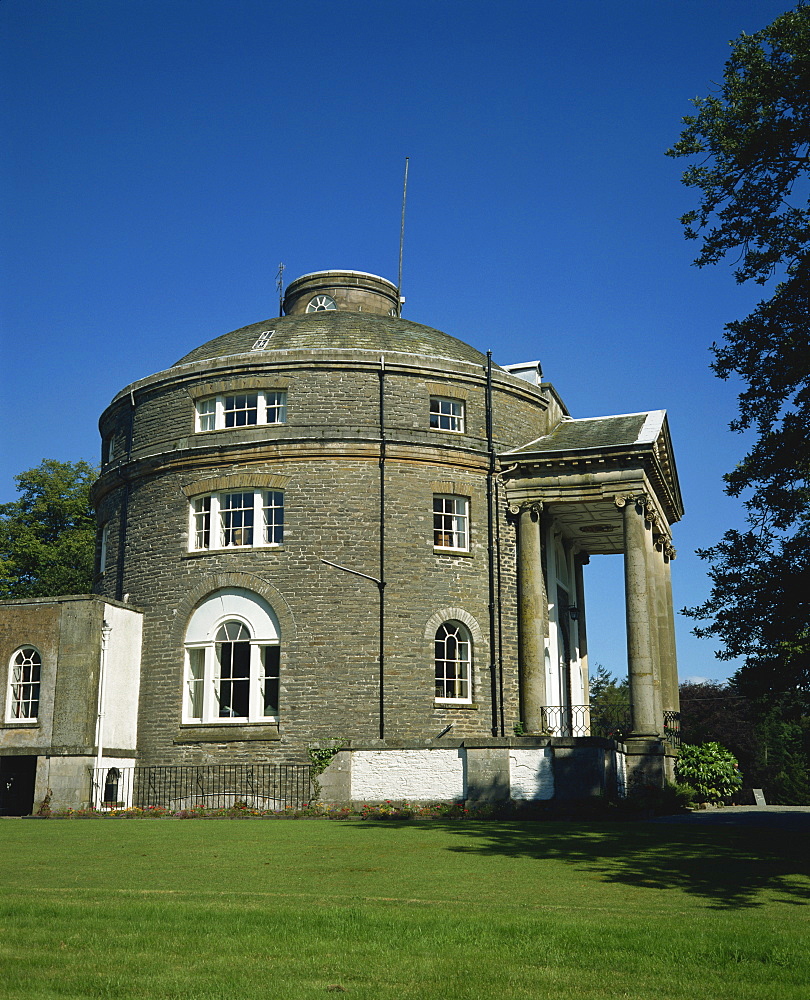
(321, 303)
(453, 659)
(232, 660)
(24, 681)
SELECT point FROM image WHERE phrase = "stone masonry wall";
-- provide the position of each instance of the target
(328, 455)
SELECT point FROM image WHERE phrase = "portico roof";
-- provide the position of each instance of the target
(583, 466)
(622, 431)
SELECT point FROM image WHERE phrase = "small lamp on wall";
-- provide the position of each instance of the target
(573, 613)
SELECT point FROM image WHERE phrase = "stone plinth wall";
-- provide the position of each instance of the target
(477, 772)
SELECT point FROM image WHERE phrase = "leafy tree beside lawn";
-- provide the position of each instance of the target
(748, 148)
(48, 535)
(749, 152)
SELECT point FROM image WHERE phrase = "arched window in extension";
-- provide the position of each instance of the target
(24, 685)
(453, 660)
(232, 660)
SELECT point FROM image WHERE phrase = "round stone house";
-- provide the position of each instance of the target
(339, 527)
(256, 495)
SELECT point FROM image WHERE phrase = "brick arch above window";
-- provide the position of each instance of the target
(452, 614)
(238, 481)
(450, 389)
(235, 385)
(242, 581)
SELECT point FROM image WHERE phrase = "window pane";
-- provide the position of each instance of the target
(450, 522)
(273, 509)
(233, 659)
(446, 414)
(207, 412)
(270, 681)
(196, 680)
(25, 681)
(236, 519)
(276, 403)
(241, 410)
(202, 523)
(452, 662)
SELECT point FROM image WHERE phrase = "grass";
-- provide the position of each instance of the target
(462, 911)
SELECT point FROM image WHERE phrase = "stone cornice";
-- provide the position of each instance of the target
(265, 453)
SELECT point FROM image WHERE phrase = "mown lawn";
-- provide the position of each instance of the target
(300, 908)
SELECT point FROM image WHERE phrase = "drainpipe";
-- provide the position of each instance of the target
(493, 674)
(106, 628)
(381, 581)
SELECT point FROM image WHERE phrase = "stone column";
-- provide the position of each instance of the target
(669, 669)
(640, 650)
(532, 618)
(655, 590)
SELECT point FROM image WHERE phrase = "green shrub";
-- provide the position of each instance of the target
(709, 770)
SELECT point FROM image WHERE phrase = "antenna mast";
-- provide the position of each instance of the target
(401, 241)
(279, 287)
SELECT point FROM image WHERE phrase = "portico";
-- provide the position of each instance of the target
(596, 486)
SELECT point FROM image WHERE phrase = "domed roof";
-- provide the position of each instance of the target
(341, 331)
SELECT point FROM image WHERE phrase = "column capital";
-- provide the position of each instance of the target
(641, 499)
(527, 506)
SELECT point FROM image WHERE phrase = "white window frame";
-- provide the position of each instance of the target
(212, 412)
(451, 523)
(321, 303)
(214, 525)
(204, 683)
(455, 671)
(447, 414)
(24, 687)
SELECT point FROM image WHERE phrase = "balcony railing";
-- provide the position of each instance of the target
(672, 729)
(586, 720)
(613, 722)
(214, 786)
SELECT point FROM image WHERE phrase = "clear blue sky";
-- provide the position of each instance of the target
(160, 158)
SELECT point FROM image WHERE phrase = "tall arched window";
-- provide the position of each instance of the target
(232, 660)
(24, 682)
(453, 659)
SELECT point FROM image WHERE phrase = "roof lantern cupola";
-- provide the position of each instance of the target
(344, 291)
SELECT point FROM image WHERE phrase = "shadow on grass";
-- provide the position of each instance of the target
(728, 868)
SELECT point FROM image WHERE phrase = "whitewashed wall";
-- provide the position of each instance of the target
(415, 775)
(621, 774)
(123, 678)
(531, 774)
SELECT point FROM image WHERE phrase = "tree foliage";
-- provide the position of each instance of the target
(749, 144)
(47, 536)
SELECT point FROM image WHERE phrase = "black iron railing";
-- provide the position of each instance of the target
(586, 720)
(672, 729)
(612, 722)
(213, 786)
